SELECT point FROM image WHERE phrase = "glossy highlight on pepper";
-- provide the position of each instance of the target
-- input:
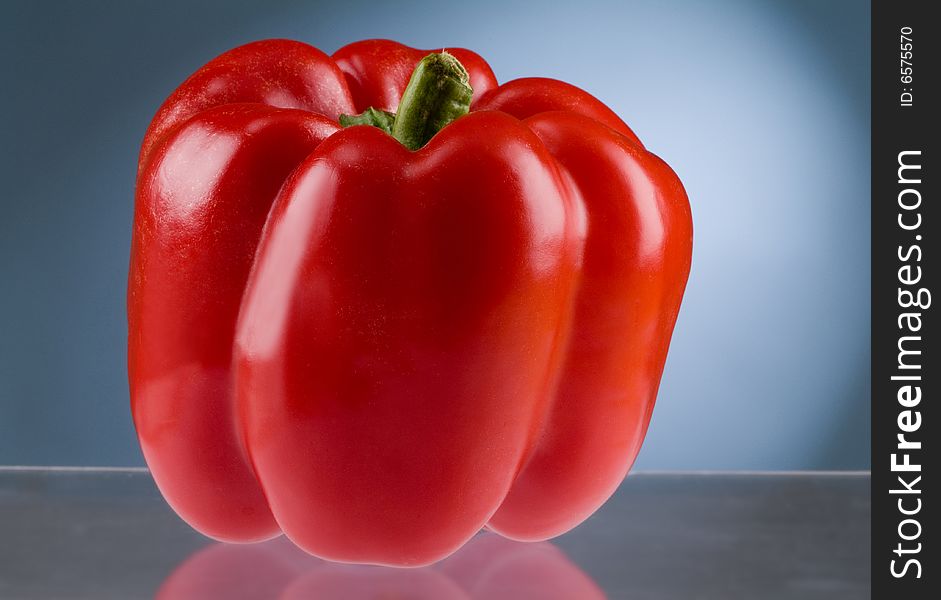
(380, 338)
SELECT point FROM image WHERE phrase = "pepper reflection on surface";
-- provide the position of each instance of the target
(488, 567)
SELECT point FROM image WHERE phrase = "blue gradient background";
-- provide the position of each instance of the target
(761, 107)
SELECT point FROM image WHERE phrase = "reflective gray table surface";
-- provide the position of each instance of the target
(108, 534)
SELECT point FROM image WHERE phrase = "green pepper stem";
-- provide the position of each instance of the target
(371, 116)
(438, 92)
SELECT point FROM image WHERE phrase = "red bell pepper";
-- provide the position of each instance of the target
(379, 339)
